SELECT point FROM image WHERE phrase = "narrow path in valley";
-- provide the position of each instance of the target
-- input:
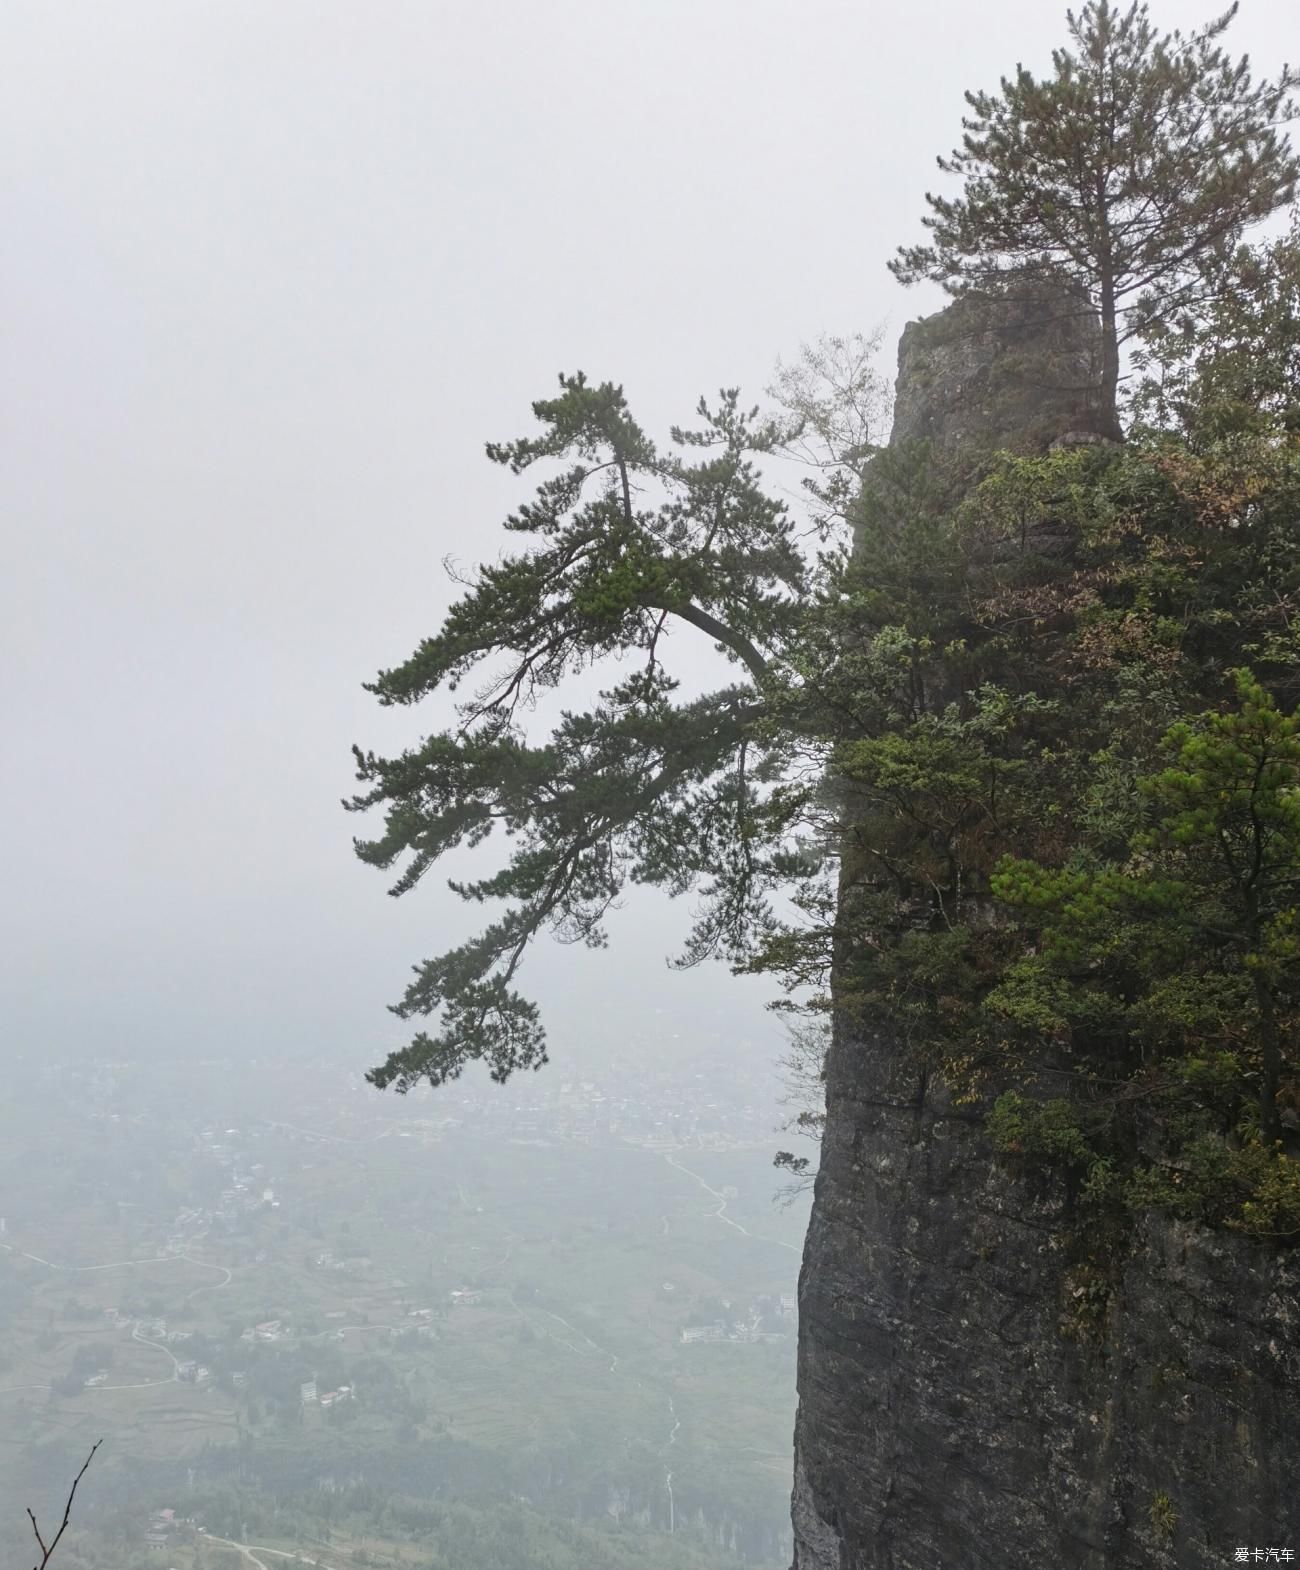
(595, 1345)
(113, 1264)
(668, 1476)
(512, 1238)
(143, 1384)
(124, 1264)
(720, 1213)
(212, 1286)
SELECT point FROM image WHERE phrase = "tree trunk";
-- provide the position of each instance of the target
(1108, 405)
(1270, 1120)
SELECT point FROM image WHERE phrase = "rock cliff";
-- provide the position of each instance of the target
(945, 1417)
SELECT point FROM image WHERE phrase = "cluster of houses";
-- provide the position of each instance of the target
(246, 1192)
(310, 1396)
(162, 1524)
(751, 1329)
(268, 1330)
(193, 1223)
(325, 1260)
(716, 1330)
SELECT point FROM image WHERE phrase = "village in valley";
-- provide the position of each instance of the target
(314, 1275)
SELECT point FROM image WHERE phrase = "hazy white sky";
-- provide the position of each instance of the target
(272, 273)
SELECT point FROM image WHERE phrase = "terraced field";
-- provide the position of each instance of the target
(581, 1265)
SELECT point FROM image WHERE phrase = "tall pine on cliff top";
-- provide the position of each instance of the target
(1130, 170)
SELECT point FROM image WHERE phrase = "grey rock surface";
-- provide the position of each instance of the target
(1018, 375)
(949, 1416)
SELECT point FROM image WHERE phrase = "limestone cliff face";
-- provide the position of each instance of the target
(945, 1421)
(1019, 375)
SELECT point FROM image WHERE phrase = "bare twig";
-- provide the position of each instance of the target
(67, 1511)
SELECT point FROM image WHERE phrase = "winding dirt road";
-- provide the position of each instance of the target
(251, 1552)
(120, 1264)
(720, 1214)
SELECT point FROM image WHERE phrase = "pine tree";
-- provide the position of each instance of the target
(1236, 365)
(1129, 171)
(645, 788)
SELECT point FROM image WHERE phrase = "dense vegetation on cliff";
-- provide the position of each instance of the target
(1074, 854)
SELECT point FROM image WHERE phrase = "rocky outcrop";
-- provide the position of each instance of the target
(1018, 375)
(964, 1402)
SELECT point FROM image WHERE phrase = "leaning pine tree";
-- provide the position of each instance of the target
(1132, 171)
(632, 545)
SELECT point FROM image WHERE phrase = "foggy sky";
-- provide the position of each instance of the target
(272, 274)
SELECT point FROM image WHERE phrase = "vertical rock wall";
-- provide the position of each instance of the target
(945, 1421)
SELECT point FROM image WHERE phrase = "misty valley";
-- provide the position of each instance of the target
(546, 1324)
(648, 926)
